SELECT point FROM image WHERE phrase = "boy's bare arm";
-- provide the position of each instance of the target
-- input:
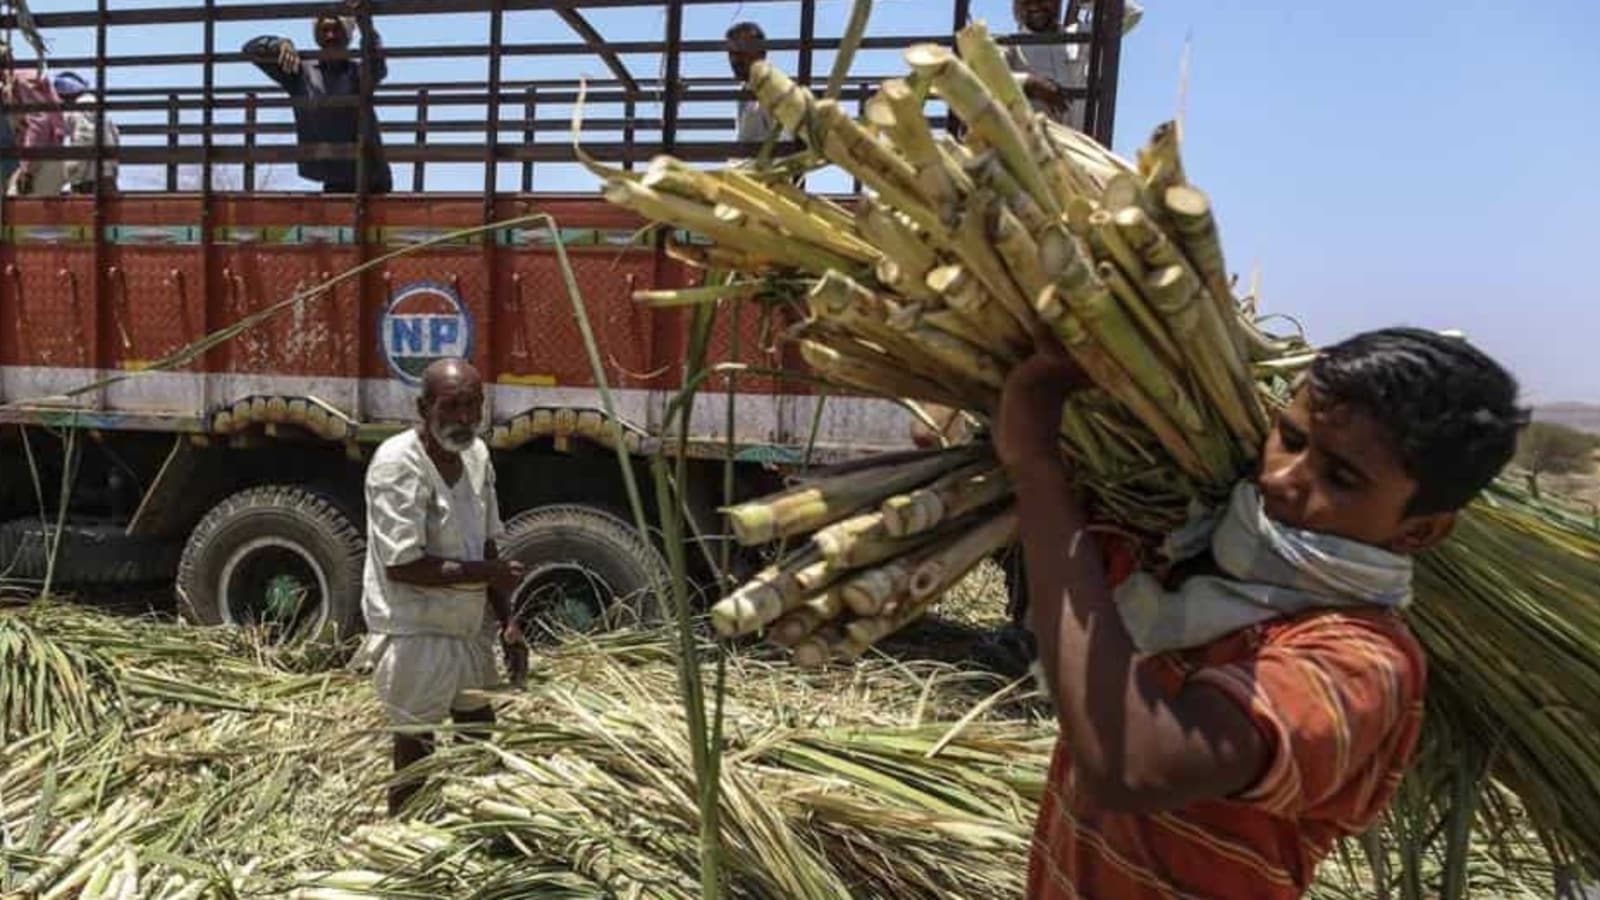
(1134, 748)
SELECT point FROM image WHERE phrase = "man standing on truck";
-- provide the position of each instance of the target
(328, 95)
(1224, 725)
(84, 129)
(33, 128)
(1049, 72)
(433, 521)
(746, 47)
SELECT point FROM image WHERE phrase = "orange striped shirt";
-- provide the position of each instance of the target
(1337, 696)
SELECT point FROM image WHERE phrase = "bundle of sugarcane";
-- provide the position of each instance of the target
(933, 286)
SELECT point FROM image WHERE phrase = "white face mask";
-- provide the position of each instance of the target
(455, 438)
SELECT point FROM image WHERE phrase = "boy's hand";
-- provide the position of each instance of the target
(1028, 422)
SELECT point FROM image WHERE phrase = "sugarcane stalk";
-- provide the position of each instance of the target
(827, 127)
(1110, 376)
(935, 574)
(988, 119)
(968, 298)
(958, 324)
(969, 361)
(773, 592)
(754, 197)
(1115, 331)
(795, 626)
(868, 593)
(1064, 262)
(971, 244)
(820, 208)
(1190, 212)
(1069, 182)
(1196, 327)
(816, 651)
(832, 498)
(1126, 191)
(1218, 342)
(815, 577)
(698, 217)
(828, 605)
(941, 182)
(928, 352)
(1146, 238)
(1018, 250)
(836, 541)
(733, 290)
(854, 149)
(714, 256)
(943, 569)
(951, 497)
(1134, 304)
(789, 102)
(986, 170)
(980, 51)
(876, 374)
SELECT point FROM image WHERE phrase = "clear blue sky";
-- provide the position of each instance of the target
(1423, 162)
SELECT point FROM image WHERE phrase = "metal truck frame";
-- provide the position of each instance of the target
(239, 472)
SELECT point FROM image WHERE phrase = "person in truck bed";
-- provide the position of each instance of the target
(747, 46)
(31, 128)
(336, 77)
(1223, 727)
(84, 129)
(433, 521)
(1049, 72)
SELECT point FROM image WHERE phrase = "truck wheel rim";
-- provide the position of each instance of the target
(263, 567)
(562, 596)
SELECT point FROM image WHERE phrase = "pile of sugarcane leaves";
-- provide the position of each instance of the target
(150, 759)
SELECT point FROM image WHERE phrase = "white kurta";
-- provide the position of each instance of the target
(427, 645)
(1064, 64)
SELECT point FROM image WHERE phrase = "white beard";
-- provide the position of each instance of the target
(452, 444)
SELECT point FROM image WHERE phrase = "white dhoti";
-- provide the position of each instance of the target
(423, 678)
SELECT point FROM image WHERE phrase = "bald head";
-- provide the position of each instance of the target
(449, 374)
(451, 405)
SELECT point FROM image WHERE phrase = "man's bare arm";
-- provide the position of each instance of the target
(433, 571)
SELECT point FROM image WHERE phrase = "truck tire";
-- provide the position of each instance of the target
(90, 552)
(283, 557)
(587, 570)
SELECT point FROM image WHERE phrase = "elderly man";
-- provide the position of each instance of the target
(1049, 72)
(432, 523)
(321, 85)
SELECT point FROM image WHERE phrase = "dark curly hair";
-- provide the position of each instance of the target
(1451, 410)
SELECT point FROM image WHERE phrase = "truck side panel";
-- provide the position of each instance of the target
(359, 347)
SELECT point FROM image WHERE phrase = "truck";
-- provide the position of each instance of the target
(191, 379)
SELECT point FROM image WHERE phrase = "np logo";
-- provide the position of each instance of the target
(424, 321)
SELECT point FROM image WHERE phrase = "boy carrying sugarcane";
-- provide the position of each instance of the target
(1224, 725)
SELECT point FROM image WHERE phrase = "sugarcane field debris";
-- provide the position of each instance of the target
(155, 760)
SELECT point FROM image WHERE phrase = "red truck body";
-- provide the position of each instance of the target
(237, 469)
